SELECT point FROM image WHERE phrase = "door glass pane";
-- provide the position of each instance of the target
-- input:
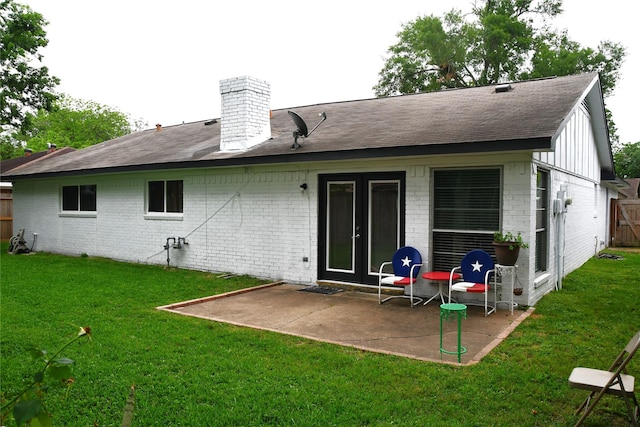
(340, 226)
(384, 214)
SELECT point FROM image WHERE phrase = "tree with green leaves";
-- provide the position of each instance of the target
(25, 83)
(627, 160)
(75, 123)
(499, 41)
(31, 113)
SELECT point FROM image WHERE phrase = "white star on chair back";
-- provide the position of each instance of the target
(404, 259)
(474, 266)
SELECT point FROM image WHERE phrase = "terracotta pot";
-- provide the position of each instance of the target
(504, 255)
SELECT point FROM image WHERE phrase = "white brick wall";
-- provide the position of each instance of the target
(574, 164)
(585, 220)
(519, 210)
(245, 120)
(257, 221)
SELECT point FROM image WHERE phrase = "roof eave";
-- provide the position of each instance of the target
(611, 180)
(530, 144)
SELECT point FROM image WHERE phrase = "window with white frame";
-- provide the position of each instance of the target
(542, 220)
(466, 213)
(79, 198)
(164, 196)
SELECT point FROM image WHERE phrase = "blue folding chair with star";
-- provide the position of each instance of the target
(477, 270)
(406, 263)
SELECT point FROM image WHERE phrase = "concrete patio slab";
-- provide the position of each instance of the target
(352, 318)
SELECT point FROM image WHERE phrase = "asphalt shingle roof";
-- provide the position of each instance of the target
(9, 164)
(526, 117)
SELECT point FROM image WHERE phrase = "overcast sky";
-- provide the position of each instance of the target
(162, 61)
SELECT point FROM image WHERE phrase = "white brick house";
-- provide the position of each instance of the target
(438, 171)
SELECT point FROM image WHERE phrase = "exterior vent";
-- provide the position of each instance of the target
(503, 88)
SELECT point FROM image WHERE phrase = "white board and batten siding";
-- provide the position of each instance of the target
(574, 166)
(575, 149)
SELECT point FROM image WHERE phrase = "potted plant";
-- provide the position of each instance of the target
(507, 247)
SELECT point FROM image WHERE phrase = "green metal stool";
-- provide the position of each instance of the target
(447, 311)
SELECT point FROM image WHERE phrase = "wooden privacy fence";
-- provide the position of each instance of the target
(625, 222)
(6, 214)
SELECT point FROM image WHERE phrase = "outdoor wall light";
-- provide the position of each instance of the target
(303, 186)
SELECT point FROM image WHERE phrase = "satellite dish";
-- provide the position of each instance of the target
(302, 130)
(302, 126)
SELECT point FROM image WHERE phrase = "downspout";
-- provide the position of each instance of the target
(560, 250)
(560, 209)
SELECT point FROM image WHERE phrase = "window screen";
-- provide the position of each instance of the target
(466, 213)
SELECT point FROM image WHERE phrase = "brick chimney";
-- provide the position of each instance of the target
(245, 113)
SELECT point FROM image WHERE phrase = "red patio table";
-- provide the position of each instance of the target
(441, 277)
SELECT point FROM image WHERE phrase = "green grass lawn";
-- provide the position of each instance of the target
(194, 372)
